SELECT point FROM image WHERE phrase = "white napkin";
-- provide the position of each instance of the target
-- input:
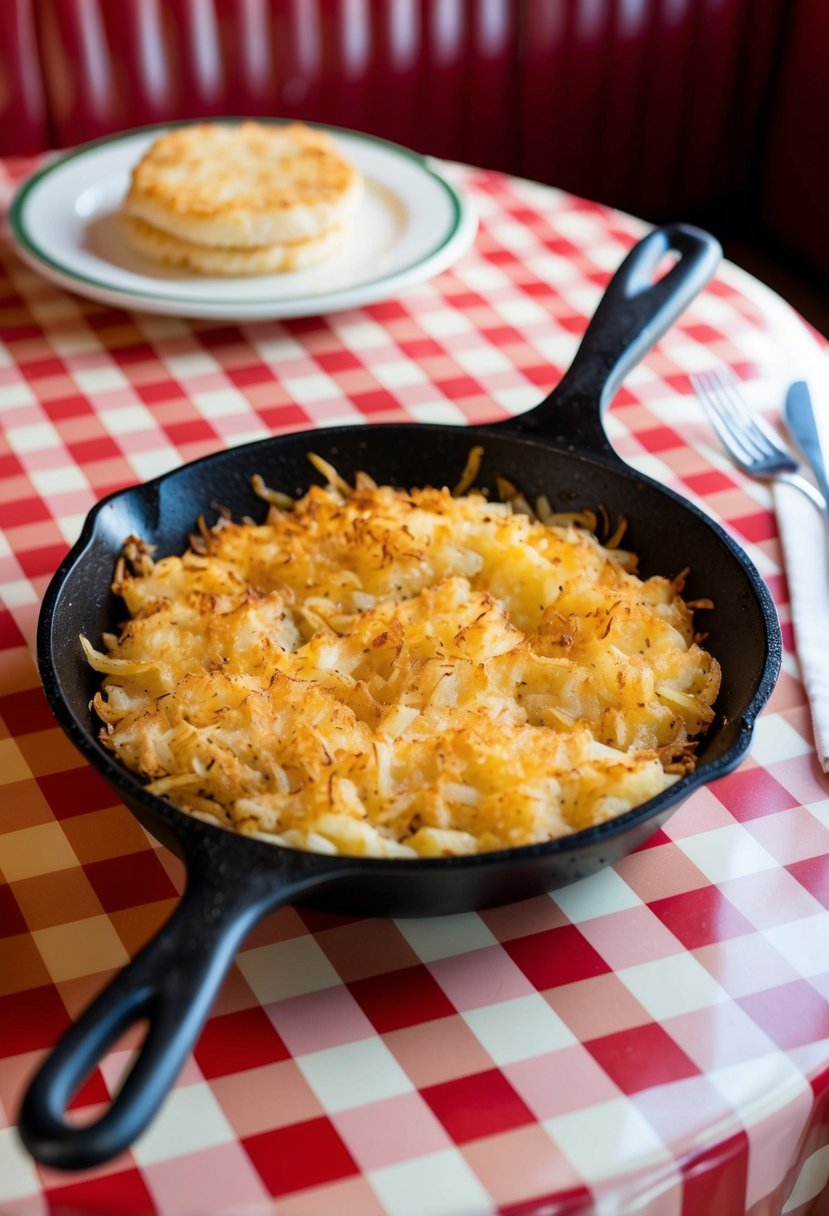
(788, 350)
(804, 536)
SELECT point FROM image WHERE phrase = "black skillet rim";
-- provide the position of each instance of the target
(183, 825)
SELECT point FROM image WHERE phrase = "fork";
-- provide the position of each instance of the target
(750, 443)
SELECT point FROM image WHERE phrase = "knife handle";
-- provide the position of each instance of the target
(800, 418)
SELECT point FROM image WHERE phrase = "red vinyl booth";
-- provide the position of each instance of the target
(23, 123)
(660, 107)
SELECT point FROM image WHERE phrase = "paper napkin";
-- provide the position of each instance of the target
(804, 536)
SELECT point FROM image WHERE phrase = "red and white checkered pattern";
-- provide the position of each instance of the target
(654, 1038)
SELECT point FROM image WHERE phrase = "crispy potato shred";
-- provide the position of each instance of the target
(391, 674)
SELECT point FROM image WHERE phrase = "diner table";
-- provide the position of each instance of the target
(652, 1039)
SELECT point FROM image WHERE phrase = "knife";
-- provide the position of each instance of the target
(801, 421)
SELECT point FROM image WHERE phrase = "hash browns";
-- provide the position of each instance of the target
(384, 673)
(226, 260)
(243, 184)
(241, 198)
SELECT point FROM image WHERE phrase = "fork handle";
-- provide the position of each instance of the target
(811, 492)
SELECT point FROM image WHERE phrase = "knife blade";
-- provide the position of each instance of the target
(800, 419)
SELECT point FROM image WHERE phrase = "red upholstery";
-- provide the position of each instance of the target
(654, 106)
(411, 70)
(796, 165)
(647, 104)
(22, 108)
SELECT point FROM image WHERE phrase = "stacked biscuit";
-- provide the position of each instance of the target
(241, 199)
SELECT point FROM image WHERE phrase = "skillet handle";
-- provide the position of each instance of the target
(171, 984)
(632, 315)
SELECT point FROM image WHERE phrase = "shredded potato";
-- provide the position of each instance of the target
(395, 674)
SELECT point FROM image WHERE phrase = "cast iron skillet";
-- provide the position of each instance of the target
(558, 449)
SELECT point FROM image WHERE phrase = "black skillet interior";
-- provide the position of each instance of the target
(664, 531)
(559, 450)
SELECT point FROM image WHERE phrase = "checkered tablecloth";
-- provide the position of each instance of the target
(654, 1039)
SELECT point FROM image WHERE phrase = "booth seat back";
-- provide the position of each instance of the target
(651, 105)
(795, 167)
(23, 123)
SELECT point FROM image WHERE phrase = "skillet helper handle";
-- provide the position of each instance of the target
(632, 315)
(171, 984)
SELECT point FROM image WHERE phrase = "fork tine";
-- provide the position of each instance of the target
(748, 439)
(730, 437)
(753, 434)
(716, 409)
(732, 411)
(756, 431)
(750, 432)
(762, 428)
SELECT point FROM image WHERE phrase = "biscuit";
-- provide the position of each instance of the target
(243, 185)
(227, 260)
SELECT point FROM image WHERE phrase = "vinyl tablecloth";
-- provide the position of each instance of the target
(652, 1039)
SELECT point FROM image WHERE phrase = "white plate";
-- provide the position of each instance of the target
(411, 225)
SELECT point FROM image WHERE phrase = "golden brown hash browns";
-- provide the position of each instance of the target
(373, 671)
